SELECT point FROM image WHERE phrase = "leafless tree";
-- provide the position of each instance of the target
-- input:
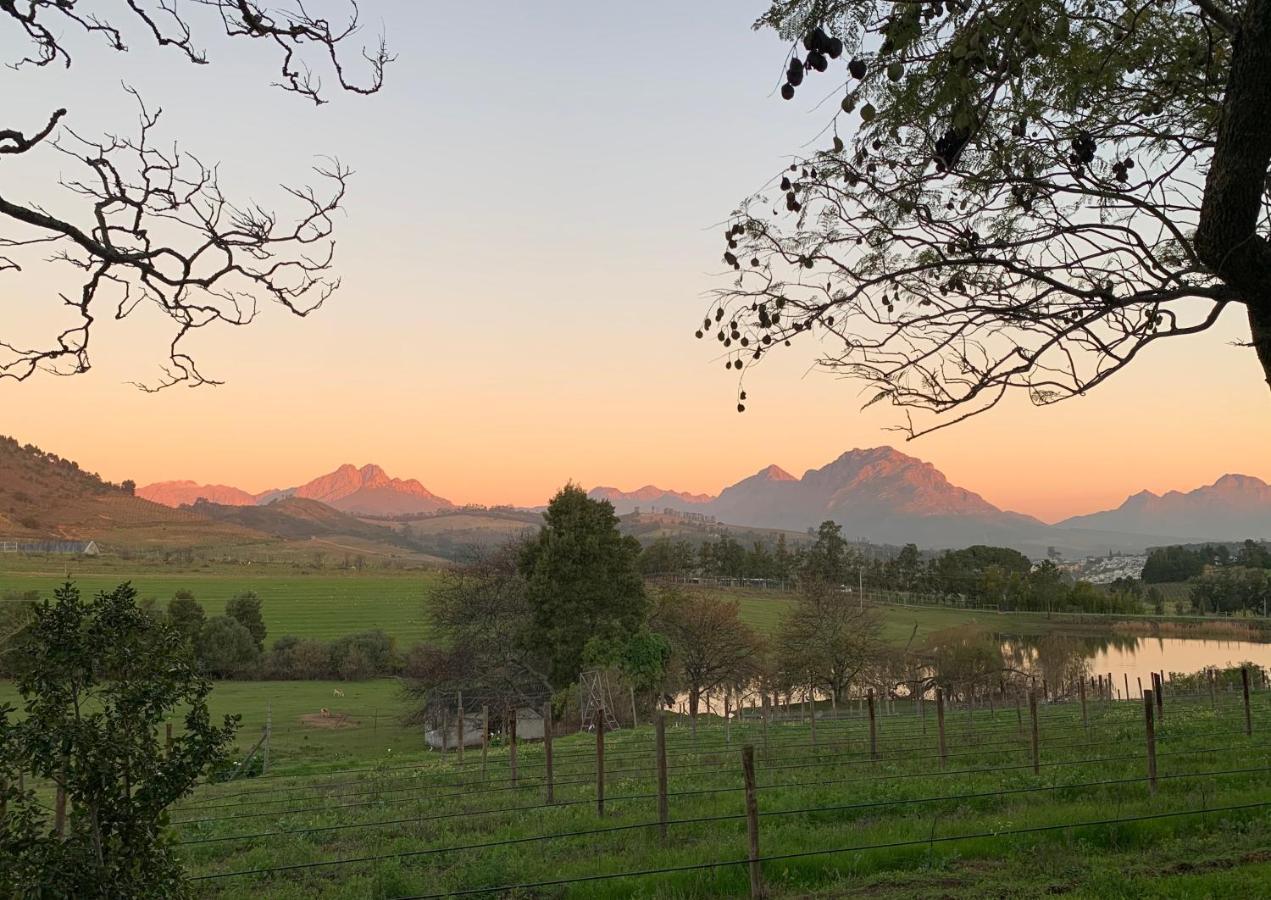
(1016, 195)
(827, 639)
(711, 648)
(153, 225)
(480, 618)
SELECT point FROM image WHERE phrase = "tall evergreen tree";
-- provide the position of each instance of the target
(583, 581)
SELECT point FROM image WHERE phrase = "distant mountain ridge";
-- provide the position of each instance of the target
(366, 491)
(1233, 508)
(877, 494)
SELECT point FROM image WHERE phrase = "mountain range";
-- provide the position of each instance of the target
(368, 491)
(877, 494)
(885, 496)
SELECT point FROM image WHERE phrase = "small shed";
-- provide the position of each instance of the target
(433, 733)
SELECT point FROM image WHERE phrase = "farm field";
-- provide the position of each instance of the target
(1085, 824)
(331, 604)
(323, 605)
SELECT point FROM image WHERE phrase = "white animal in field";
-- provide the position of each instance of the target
(337, 693)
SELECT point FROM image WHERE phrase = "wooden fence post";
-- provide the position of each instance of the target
(767, 707)
(1032, 711)
(460, 729)
(512, 745)
(1244, 680)
(752, 822)
(1160, 697)
(944, 753)
(600, 761)
(1213, 695)
(1127, 684)
(1081, 692)
(812, 704)
(873, 727)
(1019, 713)
(635, 720)
(728, 717)
(663, 807)
(485, 736)
(1150, 730)
(547, 752)
(167, 736)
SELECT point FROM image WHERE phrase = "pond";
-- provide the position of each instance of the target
(1129, 659)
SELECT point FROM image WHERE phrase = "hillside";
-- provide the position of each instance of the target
(298, 518)
(45, 496)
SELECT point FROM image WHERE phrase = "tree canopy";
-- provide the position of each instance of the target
(582, 581)
(1011, 196)
(97, 679)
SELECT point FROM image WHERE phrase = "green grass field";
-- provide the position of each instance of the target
(422, 825)
(326, 604)
(329, 604)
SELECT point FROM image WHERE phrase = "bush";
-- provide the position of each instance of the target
(225, 648)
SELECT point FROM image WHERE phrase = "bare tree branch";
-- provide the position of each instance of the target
(156, 228)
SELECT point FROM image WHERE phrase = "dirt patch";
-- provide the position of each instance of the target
(330, 720)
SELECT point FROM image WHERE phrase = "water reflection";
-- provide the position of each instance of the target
(1127, 660)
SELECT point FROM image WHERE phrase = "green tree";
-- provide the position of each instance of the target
(827, 559)
(582, 580)
(186, 614)
(225, 647)
(99, 680)
(245, 608)
(1013, 196)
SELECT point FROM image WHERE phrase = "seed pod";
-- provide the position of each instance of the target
(787, 91)
(857, 68)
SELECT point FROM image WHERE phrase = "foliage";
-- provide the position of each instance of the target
(101, 677)
(245, 608)
(1178, 563)
(1233, 589)
(225, 648)
(186, 615)
(582, 579)
(1015, 196)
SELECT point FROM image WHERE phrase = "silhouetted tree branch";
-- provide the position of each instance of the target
(1031, 193)
(156, 227)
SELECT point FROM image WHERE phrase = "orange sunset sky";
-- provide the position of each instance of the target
(525, 254)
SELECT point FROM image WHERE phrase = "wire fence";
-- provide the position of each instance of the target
(1198, 733)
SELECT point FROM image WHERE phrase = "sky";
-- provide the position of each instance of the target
(525, 252)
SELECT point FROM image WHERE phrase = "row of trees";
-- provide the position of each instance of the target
(519, 626)
(998, 575)
(1183, 563)
(1233, 590)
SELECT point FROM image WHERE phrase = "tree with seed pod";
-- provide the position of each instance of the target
(148, 224)
(1035, 192)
